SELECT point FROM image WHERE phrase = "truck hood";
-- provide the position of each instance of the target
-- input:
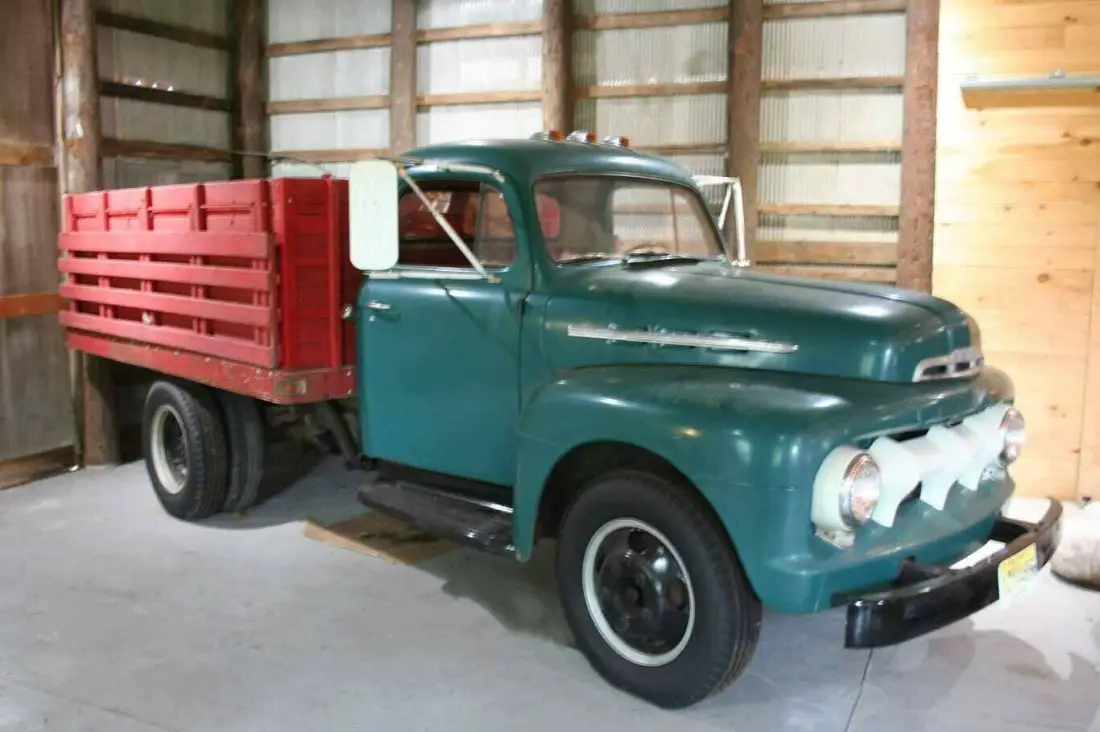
(845, 329)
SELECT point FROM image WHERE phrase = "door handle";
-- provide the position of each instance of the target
(375, 305)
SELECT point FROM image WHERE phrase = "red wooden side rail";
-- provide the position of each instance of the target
(238, 284)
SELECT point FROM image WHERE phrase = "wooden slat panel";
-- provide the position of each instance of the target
(484, 30)
(336, 155)
(855, 274)
(22, 306)
(25, 153)
(198, 244)
(325, 45)
(855, 146)
(162, 96)
(168, 31)
(617, 21)
(334, 104)
(824, 252)
(501, 97)
(818, 209)
(217, 310)
(846, 82)
(828, 8)
(150, 149)
(191, 274)
(649, 90)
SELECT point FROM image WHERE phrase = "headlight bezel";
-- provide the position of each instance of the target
(834, 489)
(861, 468)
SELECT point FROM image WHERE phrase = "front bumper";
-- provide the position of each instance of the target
(924, 598)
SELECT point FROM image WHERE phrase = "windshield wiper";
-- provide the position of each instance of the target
(662, 258)
(588, 257)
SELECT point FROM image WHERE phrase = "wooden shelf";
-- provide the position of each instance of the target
(831, 209)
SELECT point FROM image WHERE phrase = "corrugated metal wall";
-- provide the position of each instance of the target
(137, 59)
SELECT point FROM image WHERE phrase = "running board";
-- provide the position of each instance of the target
(474, 522)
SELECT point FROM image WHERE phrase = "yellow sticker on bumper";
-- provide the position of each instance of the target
(1017, 571)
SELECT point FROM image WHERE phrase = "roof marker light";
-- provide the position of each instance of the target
(617, 141)
(582, 136)
(552, 135)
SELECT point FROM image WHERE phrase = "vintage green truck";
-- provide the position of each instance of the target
(552, 340)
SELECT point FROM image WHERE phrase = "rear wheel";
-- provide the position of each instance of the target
(185, 448)
(653, 591)
(245, 431)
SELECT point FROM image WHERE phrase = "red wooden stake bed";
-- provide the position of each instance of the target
(240, 285)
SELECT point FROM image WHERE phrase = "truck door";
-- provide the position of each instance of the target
(439, 345)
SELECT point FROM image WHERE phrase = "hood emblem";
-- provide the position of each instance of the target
(688, 340)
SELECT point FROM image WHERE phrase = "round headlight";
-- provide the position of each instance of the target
(860, 490)
(1014, 434)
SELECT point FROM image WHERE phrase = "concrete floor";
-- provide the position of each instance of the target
(115, 617)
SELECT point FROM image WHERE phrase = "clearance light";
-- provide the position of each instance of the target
(617, 141)
(582, 136)
(552, 135)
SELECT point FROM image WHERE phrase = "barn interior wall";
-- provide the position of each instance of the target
(1017, 231)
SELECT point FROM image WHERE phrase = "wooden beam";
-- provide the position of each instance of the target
(335, 155)
(712, 148)
(743, 87)
(161, 96)
(25, 153)
(167, 31)
(884, 275)
(825, 209)
(249, 119)
(163, 150)
(402, 99)
(851, 82)
(335, 104)
(28, 305)
(557, 59)
(485, 30)
(326, 45)
(35, 467)
(499, 97)
(617, 21)
(1085, 96)
(829, 8)
(94, 400)
(918, 145)
(855, 146)
(825, 252)
(650, 90)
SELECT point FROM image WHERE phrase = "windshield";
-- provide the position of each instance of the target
(607, 217)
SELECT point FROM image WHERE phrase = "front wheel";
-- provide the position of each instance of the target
(653, 591)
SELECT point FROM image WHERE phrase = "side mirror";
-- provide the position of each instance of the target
(372, 214)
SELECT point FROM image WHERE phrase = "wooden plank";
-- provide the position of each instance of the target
(328, 45)
(149, 149)
(743, 89)
(23, 470)
(98, 442)
(402, 99)
(854, 274)
(854, 146)
(484, 30)
(26, 305)
(246, 245)
(161, 96)
(712, 148)
(649, 90)
(557, 74)
(333, 104)
(829, 8)
(827, 209)
(498, 97)
(619, 21)
(25, 153)
(825, 252)
(1088, 475)
(249, 120)
(837, 83)
(335, 155)
(918, 153)
(168, 31)
(259, 316)
(1088, 96)
(190, 274)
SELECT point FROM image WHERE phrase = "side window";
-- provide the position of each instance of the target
(477, 213)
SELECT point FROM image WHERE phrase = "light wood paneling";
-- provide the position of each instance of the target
(1018, 224)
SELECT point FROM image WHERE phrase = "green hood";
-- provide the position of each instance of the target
(841, 329)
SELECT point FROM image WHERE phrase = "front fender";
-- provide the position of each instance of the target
(749, 441)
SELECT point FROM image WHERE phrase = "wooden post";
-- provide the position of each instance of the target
(746, 43)
(403, 77)
(248, 54)
(557, 77)
(918, 145)
(81, 136)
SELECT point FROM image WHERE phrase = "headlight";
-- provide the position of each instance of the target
(1013, 435)
(860, 489)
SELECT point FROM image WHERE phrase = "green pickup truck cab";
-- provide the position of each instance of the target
(702, 440)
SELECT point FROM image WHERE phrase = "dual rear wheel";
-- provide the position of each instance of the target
(204, 449)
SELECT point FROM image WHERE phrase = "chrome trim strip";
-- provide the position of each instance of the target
(970, 356)
(689, 340)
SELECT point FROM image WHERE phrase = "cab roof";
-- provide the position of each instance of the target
(528, 160)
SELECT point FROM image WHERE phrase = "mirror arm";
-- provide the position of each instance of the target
(439, 219)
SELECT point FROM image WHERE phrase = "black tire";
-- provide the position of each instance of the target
(189, 412)
(245, 430)
(727, 613)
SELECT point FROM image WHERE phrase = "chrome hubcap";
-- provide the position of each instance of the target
(169, 449)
